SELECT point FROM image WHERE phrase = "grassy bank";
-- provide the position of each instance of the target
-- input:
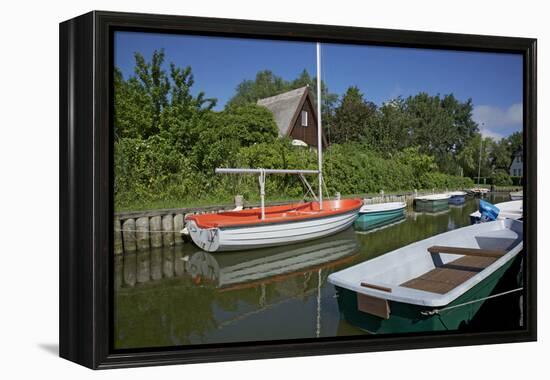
(229, 201)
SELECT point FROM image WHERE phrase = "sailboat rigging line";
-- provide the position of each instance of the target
(326, 189)
(308, 187)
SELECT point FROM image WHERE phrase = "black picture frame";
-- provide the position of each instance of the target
(86, 180)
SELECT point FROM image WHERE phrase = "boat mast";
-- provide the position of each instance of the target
(319, 127)
(479, 165)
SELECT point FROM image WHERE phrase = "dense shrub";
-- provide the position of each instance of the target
(517, 181)
(153, 170)
(501, 178)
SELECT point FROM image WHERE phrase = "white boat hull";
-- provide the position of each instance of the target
(267, 234)
(516, 196)
(391, 270)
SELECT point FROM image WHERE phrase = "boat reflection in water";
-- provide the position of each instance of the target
(179, 295)
(241, 269)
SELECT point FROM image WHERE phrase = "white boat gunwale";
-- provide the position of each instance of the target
(457, 193)
(381, 207)
(432, 197)
(420, 297)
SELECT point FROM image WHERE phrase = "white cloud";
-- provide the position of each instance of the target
(498, 122)
(492, 134)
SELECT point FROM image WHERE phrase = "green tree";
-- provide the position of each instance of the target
(500, 154)
(515, 144)
(469, 157)
(354, 119)
(133, 111)
(442, 127)
(392, 131)
(152, 101)
(265, 84)
(226, 132)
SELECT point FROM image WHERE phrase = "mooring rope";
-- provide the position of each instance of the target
(438, 311)
(149, 231)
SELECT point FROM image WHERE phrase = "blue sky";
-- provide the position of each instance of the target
(493, 81)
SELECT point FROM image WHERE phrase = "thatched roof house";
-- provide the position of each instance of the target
(294, 114)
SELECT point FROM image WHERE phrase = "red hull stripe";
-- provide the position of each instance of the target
(294, 212)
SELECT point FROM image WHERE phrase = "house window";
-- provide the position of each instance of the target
(304, 118)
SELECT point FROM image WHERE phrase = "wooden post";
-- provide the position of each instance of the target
(142, 233)
(155, 231)
(129, 235)
(168, 230)
(178, 226)
(117, 238)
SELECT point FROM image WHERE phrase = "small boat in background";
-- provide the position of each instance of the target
(378, 215)
(432, 202)
(457, 197)
(504, 210)
(435, 284)
(516, 195)
(478, 191)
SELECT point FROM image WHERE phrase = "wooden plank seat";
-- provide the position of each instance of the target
(496, 253)
(448, 276)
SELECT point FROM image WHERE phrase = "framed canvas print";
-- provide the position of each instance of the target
(238, 189)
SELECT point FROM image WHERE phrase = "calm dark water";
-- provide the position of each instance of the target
(181, 295)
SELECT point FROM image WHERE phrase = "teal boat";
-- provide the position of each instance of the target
(379, 215)
(432, 202)
(437, 284)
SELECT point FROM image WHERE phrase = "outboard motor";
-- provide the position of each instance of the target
(488, 211)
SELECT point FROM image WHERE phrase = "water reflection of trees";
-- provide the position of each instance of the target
(161, 301)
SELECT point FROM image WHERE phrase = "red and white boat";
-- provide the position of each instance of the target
(287, 224)
(275, 225)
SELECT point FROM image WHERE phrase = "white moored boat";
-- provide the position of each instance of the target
(410, 289)
(432, 202)
(293, 223)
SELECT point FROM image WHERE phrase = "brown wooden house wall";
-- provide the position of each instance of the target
(306, 134)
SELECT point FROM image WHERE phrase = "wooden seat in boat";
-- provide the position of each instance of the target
(448, 276)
